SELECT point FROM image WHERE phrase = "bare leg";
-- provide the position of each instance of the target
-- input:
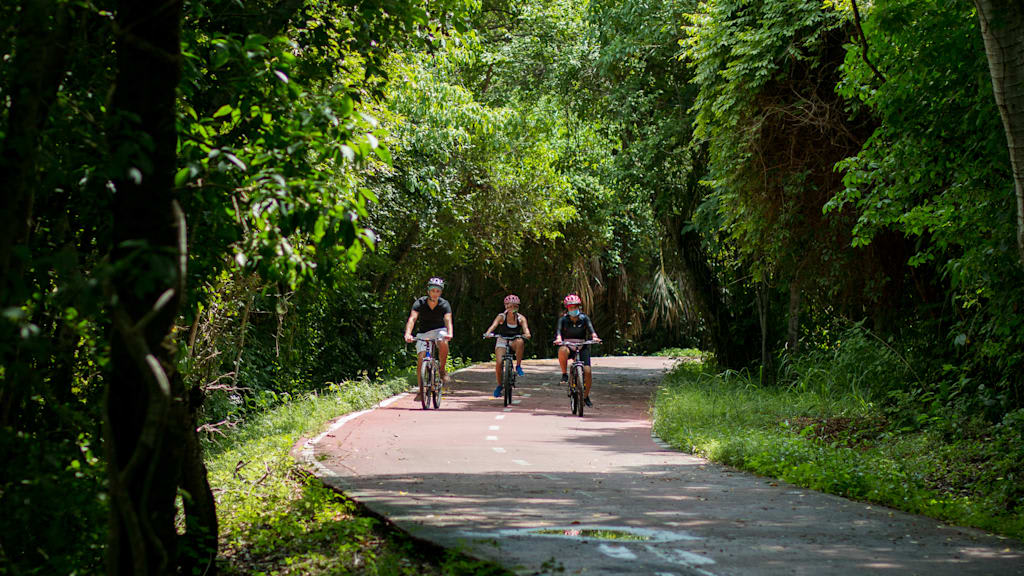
(499, 353)
(563, 358)
(519, 346)
(442, 356)
(587, 379)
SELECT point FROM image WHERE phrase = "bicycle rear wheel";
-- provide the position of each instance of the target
(578, 373)
(574, 398)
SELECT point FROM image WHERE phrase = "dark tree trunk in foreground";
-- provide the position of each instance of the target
(149, 434)
(1002, 28)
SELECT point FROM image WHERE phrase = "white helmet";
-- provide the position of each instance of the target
(435, 281)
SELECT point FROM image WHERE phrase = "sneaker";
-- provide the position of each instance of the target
(565, 378)
(498, 391)
(588, 402)
(519, 371)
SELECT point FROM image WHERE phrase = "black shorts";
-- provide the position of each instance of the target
(584, 354)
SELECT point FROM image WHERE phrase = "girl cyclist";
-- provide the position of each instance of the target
(508, 323)
(575, 325)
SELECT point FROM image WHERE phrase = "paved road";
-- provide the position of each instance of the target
(527, 486)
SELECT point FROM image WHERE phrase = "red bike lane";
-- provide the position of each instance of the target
(536, 489)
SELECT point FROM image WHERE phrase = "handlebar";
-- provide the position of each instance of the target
(434, 339)
(576, 343)
(516, 337)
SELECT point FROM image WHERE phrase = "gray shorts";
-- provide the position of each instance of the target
(421, 346)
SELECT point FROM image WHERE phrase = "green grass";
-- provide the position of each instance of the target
(277, 520)
(680, 353)
(837, 441)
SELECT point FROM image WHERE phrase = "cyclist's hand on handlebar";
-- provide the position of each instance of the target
(409, 338)
(558, 341)
(488, 335)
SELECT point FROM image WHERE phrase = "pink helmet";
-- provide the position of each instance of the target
(572, 299)
(511, 299)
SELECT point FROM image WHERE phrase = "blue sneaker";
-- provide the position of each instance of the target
(498, 391)
(519, 371)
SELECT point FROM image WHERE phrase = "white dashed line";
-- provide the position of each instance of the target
(492, 438)
(498, 449)
(517, 401)
(522, 462)
(507, 410)
(499, 417)
(494, 427)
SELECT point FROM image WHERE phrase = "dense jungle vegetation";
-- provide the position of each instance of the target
(208, 207)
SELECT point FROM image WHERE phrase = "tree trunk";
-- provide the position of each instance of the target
(1002, 28)
(703, 292)
(762, 295)
(793, 329)
(200, 538)
(143, 423)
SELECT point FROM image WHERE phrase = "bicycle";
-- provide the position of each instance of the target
(508, 369)
(576, 382)
(430, 373)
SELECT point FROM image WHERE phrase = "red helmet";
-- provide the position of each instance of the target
(511, 299)
(572, 299)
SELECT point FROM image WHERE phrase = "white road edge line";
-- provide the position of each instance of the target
(309, 447)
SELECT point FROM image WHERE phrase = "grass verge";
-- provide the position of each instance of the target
(836, 442)
(277, 520)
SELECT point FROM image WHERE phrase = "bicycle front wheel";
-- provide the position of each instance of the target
(578, 373)
(507, 378)
(427, 375)
(437, 392)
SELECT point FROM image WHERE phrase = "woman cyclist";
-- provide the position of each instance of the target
(506, 324)
(575, 325)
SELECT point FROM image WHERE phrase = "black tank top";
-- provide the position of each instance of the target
(505, 330)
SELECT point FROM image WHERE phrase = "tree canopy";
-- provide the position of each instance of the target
(211, 205)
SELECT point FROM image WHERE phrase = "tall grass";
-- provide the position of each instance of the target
(827, 427)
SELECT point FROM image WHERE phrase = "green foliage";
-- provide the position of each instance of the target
(824, 436)
(941, 177)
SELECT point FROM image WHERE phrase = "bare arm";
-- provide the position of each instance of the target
(448, 325)
(409, 324)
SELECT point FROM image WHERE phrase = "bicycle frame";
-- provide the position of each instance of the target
(576, 374)
(432, 385)
(508, 374)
